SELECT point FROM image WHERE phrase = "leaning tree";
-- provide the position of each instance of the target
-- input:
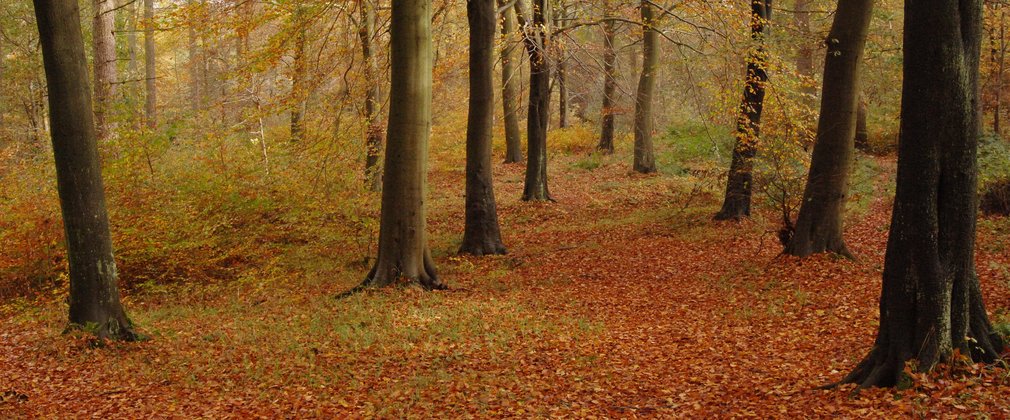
(404, 257)
(931, 307)
(94, 296)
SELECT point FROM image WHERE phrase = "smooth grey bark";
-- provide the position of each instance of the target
(150, 69)
(607, 110)
(931, 304)
(537, 34)
(562, 76)
(645, 156)
(104, 56)
(94, 296)
(373, 126)
(404, 257)
(481, 233)
(819, 227)
(739, 185)
(510, 85)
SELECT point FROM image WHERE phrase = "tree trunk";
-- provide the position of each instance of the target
(132, 42)
(481, 235)
(537, 40)
(930, 305)
(94, 297)
(609, 88)
(562, 77)
(862, 130)
(805, 53)
(404, 257)
(510, 86)
(194, 63)
(298, 75)
(104, 43)
(820, 224)
(739, 186)
(373, 125)
(150, 74)
(645, 157)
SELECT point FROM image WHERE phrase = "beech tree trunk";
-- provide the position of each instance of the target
(562, 76)
(931, 305)
(537, 40)
(374, 130)
(404, 257)
(510, 85)
(645, 157)
(609, 88)
(94, 296)
(739, 186)
(298, 75)
(481, 234)
(819, 227)
(805, 53)
(150, 69)
(104, 53)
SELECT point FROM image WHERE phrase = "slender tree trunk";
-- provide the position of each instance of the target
(805, 53)
(481, 235)
(404, 257)
(930, 305)
(103, 32)
(194, 62)
(820, 224)
(373, 124)
(562, 76)
(150, 70)
(537, 39)
(94, 297)
(510, 85)
(739, 186)
(645, 157)
(298, 75)
(609, 88)
(132, 41)
(862, 129)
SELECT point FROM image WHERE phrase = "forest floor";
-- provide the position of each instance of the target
(622, 299)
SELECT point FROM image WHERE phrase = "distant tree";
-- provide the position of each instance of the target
(739, 186)
(94, 296)
(150, 70)
(645, 157)
(560, 19)
(404, 256)
(931, 307)
(373, 129)
(537, 33)
(299, 72)
(481, 235)
(510, 85)
(862, 131)
(820, 223)
(103, 26)
(609, 85)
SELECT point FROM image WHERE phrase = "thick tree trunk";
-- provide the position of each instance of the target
(104, 53)
(373, 125)
(645, 157)
(298, 75)
(739, 186)
(510, 86)
(609, 88)
(94, 297)
(150, 70)
(930, 305)
(862, 129)
(404, 257)
(537, 39)
(820, 223)
(481, 235)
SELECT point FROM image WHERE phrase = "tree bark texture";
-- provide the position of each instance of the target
(150, 69)
(404, 257)
(609, 88)
(481, 234)
(373, 126)
(645, 156)
(930, 304)
(537, 39)
(819, 227)
(739, 185)
(510, 85)
(94, 296)
(104, 53)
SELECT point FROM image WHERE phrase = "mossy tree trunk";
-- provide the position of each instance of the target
(739, 185)
(94, 295)
(481, 235)
(404, 257)
(819, 227)
(645, 156)
(299, 73)
(510, 85)
(150, 69)
(931, 305)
